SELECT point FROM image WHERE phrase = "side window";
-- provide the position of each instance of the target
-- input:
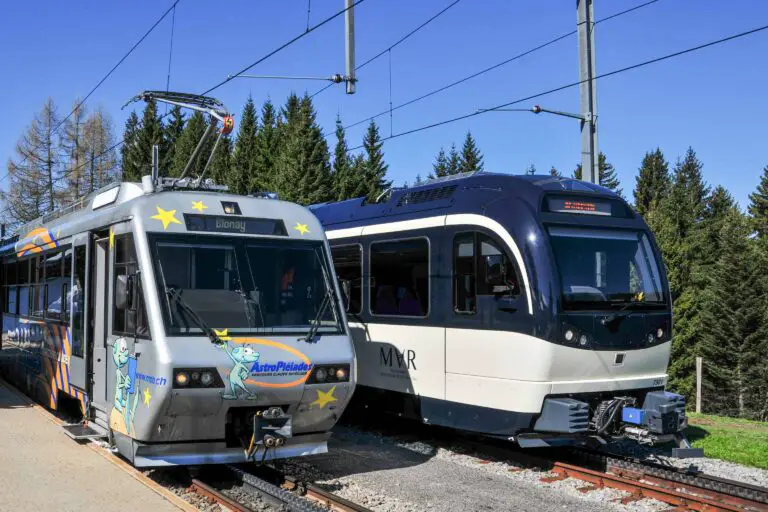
(66, 284)
(480, 267)
(76, 301)
(54, 281)
(464, 273)
(128, 321)
(23, 268)
(37, 290)
(400, 278)
(348, 261)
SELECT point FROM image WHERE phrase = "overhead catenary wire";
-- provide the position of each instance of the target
(493, 67)
(228, 79)
(282, 47)
(574, 84)
(396, 43)
(170, 54)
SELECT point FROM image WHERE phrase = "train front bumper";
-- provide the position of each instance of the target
(145, 455)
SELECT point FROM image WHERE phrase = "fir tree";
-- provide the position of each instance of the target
(375, 168)
(554, 172)
(267, 149)
(344, 182)
(149, 133)
(454, 161)
(471, 158)
(244, 156)
(440, 166)
(418, 180)
(303, 164)
(186, 144)
(222, 168)
(758, 205)
(530, 170)
(652, 182)
(129, 167)
(607, 174)
(172, 131)
(755, 344)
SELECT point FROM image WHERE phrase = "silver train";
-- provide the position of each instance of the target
(529, 308)
(188, 325)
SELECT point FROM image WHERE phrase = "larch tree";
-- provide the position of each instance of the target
(73, 152)
(471, 157)
(652, 182)
(101, 166)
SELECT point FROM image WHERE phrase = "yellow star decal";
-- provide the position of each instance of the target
(111, 239)
(223, 334)
(301, 228)
(324, 398)
(199, 206)
(147, 396)
(166, 217)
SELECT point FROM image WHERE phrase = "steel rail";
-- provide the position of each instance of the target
(201, 488)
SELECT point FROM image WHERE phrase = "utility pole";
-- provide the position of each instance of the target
(349, 30)
(699, 364)
(588, 91)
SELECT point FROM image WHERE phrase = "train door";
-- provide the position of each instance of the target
(99, 294)
(79, 304)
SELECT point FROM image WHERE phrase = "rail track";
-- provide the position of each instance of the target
(284, 492)
(683, 489)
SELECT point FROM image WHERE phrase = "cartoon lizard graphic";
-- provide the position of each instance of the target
(123, 383)
(241, 356)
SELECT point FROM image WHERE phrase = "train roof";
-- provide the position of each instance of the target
(456, 193)
(167, 211)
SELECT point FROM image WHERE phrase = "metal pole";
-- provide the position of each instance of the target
(699, 364)
(155, 163)
(588, 91)
(349, 29)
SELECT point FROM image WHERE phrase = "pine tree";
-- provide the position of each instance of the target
(129, 167)
(471, 158)
(530, 170)
(33, 174)
(375, 168)
(554, 172)
(303, 164)
(267, 149)
(607, 174)
(343, 180)
(758, 205)
(440, 167)
(652, 182)
(150, 133)
(244, 156)
(172, 131)
(454, 161)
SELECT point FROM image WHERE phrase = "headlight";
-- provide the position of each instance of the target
(341, 374)
(321, 374)
(650, 338)
(182, 379)
(329, 373)
(196, 378)
(569, 335)
(583, 340)
(659, 333)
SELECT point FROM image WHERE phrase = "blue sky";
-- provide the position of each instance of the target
(713, 100)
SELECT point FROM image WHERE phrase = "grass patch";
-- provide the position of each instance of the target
(731, 439)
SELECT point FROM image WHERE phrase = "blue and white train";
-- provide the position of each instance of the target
(530, 308)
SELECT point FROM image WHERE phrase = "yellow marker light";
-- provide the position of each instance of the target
(341, 374)
(182, 379)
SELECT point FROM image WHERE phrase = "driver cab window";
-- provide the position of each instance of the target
(133, 319)
(480, 267)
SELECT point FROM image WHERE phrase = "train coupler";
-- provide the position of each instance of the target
(271, 428)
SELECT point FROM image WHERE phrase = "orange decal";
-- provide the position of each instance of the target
(270, 343)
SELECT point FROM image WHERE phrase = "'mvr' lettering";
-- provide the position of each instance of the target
(405, 359)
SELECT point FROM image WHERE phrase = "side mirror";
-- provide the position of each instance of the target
(124, 291)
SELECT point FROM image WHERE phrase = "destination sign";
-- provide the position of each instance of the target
(241, 225)
(579, 205)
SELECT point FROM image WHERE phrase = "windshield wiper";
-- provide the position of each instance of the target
(175, 296)
(621, 314)
(329, 296)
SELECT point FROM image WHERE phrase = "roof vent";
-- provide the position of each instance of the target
(425, 196)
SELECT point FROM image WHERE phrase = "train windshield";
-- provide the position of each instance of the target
(606, 268)
(247, 286)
